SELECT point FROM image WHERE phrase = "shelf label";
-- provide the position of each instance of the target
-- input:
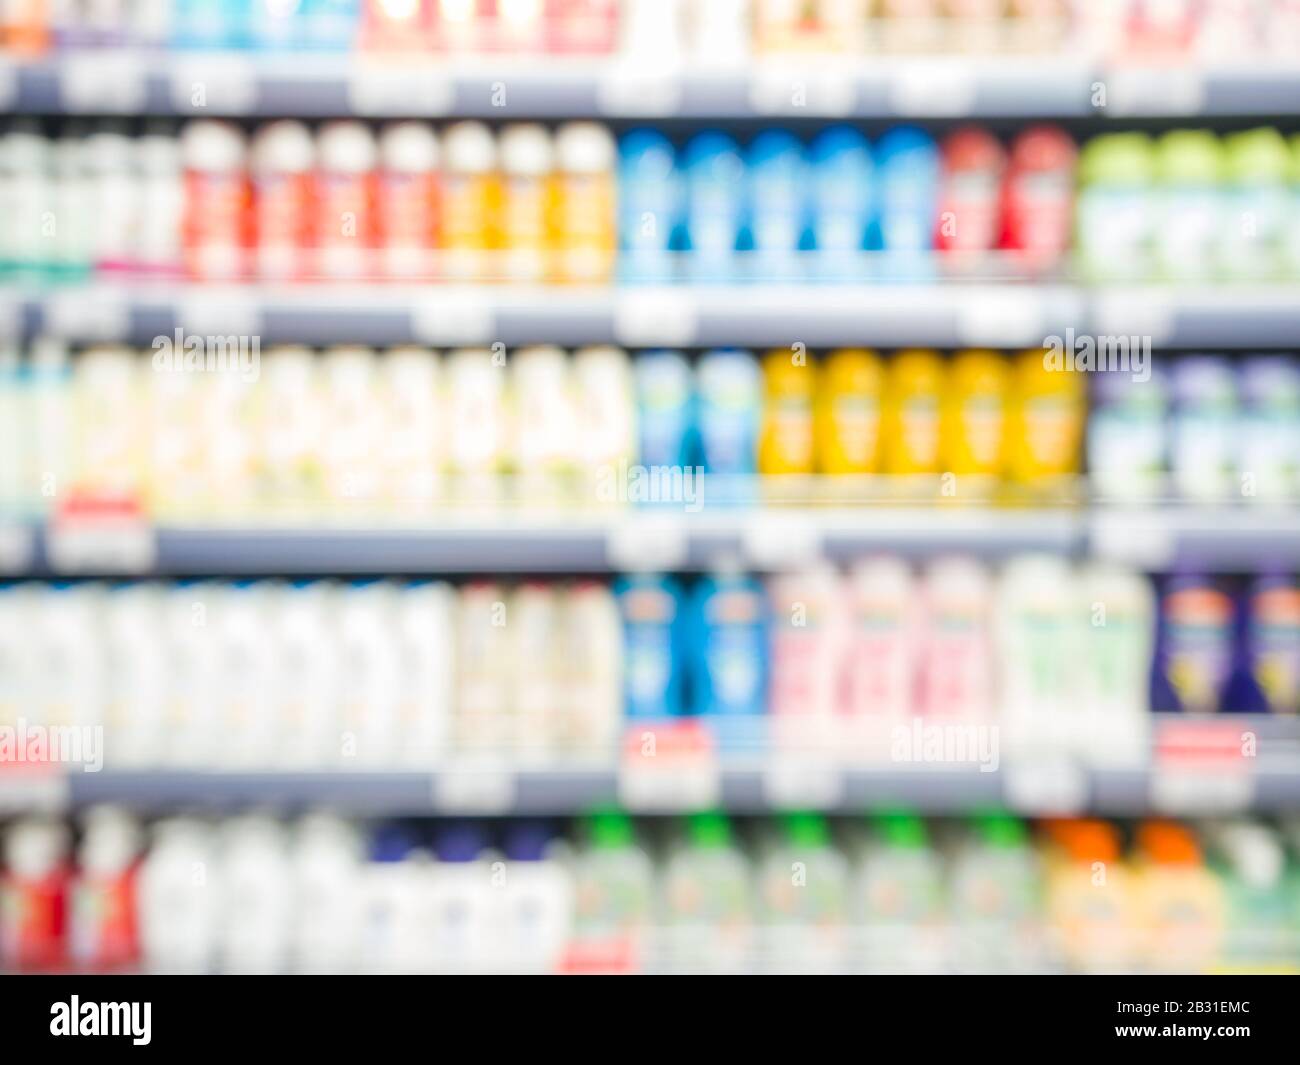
(1201, 766)
(669, 767)
(1046, 787)
(101, 536)
(776, 541)
(17, 543)
(215, 84)
(108, 81)
(655, 543)
(475, 787)
(219, 313)
(27, 788)
(93, 314)
(997, 318)
(932, 89)
(655, 317)
(803, 90)
(1187, 790)
(639, 91)
(421, 91)
(1154, 91)
(1139, 538)
(797, 782)
(462, 317)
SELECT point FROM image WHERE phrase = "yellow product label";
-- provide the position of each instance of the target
(974, 426)
(786, 441)
(1181, 916)
(468, 208)
(1091, 911)
(585, 227)
(1048, 412)
(912, 413)
(848, 414)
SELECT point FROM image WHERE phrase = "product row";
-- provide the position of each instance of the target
(885, 893)
(526, 204)
(669, 31)
(260, 674)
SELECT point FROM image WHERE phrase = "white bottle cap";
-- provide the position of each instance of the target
(34, 848)
(283, 147)
(158, 155)
(526, 150)
(585, 148)
(408, 147)
(347, 147)
(213, 146)
(108, 151)
(468, 148)
(111, 842)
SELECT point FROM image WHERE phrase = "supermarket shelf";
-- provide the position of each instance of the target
(953, 314)
(1250, 537)
(98, 82)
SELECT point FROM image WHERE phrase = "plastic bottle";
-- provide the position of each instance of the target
(1128, 438)
(533, 911)
(248, 717)
(907, 169)
(537, 696)
(346, 188)
(843, 202)
(1038, 197)
(729, 654)
(414, 441)
(68, 247)
(605, 416)
(809, 641)
(34, 890)
(107, 448)
(27, 159)
(1091, 897)
(973, 165)
(370, 686)
(1202, 459)
(884, 652)
(527, 203)
(409, 200)
(785, 443)
(649, 205)
(707, 897)
(1189, 165)
(651, 610)
(180, 898)
(592, 671)
(1194, 652)
(484, 668)
(1260, 913)
(912, 414)
(1181, 902)
(328, 895)
(957, 657)
(1256, 209)
(471, 194)
(158, 231)
(425, 641)
(585, 203)
(70, 660)
(350, 428)
(615, 893)
(303, 617)
(283, 160)
(973, 420)
(459, 899)
(217, 226)
(777, 180)
(714, 177)
(104, 932)
(664, 409)
(545, 442)
(728, 405)
(1114, 216)
(803, 897)
(996, 890)
(1045, 428)
(1271, 639)
(397, 927)
(477, 430)
(116, 207)
(1269, 429)
(192, 729)
(847, 415)
(136, 668)
(897, 900)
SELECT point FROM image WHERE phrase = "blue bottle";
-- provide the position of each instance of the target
(714, 181)
(329, 25)
(211, 25)
(778, 207)
(650, 203)
(728, 408)
(843, 202)
(664, 400)
(728, 639)
(907, 170)
(651, 612)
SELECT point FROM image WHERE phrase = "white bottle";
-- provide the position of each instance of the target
(191, 636)
(459, 900)
(544, 441)
(290, 430)
(29, 195)
(51, 404)
(179, 898)
(20, 676)
(228, 412)
(108, 455)
(884, 653)
(485, 667)
(425, 637)
(307, 685)
(176, 453)
(247, 658)
(605, 416)
(72, 237)
(136, 668)
(413, 439)
(537, 697)
(369, 676)
(350, 430)
(1114, 681)
(15, 432)
(957, 655)
(396, 936)
(257, 910)
(532, 899)
(69, 653)
(116, 207)
(592, 672)
(105, 890)
(328, 895)
(1038, 633)
(477, 429)
(158, 231)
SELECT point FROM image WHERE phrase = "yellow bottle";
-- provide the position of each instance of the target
(1090, 897)
(527, 163)
(1047, 421)
(848, 413)
(785, 444)
(1180, 901)
(586, 232)
(470, 204)
(912, 396)
(973, 430)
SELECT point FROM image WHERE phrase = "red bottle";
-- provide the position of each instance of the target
(1038, 197)
(104, 926)
(969, 197)
(34, 897)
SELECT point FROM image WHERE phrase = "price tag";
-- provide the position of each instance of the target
(1139, 538)
(475, 788)
(797, 783)
(215, 84)
(108, 81)
(220, 313)
(670, 768)
(1157, 91)
(92, 314)
(933, 89)
(655, 543)
(417, 91)
(641, 92)
(1142, 313)
(1000, 318)
(802, 90)
(655, 316)
(1190, 790)
(24, 790)
(446, 318)
(1047, 787)
(776, 541)
(108, 539)
(17, 543)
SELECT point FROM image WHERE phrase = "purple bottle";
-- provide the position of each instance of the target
(1270, 646)
(1194, 650)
